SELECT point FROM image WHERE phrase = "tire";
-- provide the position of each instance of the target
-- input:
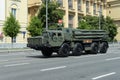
(77, 50)
(103, 47)
(46, 52)
(64, 50)
(94, 48)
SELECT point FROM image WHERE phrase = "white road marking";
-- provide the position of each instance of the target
(105, 75)
(12, 65)
(113, 58)
(48, 69)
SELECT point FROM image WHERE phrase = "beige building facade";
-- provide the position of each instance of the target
(113, 10)
(74, 9)
(20, 11)
(33, 7)
(23, 10)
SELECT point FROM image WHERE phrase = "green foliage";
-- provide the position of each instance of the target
(35, 27)
(54, 14)
(11, 27)
(84, 25)
(111, 28)
(92, 22)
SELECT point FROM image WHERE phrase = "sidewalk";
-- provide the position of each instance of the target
(22, 49)
(4, 50)
(15, 47)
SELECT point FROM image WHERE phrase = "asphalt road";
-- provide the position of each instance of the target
(30, 65)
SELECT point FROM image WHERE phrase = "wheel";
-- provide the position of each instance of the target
(94, 48)
(103, 47)
(46, 52)
(77, 50)
(64, 50)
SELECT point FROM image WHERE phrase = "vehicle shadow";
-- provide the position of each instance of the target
(43, 57)
(55, 56)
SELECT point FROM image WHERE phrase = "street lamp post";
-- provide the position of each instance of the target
(99, 19)
(46, 14)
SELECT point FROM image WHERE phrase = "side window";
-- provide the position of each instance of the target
(53, 34)
(59, 34)
(60, 37)
(54, 37)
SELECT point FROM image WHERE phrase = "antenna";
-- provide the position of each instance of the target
(46, 14)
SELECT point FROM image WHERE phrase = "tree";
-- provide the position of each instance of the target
(84, 25)
(111, 28)
(11, 27)
(92, 22)
(54, 14)
(35, 27)
(88, 22)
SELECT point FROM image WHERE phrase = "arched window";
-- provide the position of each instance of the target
(14, 9)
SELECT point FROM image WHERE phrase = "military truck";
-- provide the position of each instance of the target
(67, 41)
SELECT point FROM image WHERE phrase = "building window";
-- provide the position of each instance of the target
(60, 2)
(87, 6)
(13, 11)
(23, 33)
(94, 8)
(79, 5)
(70, 4)
(109, 5)
(71, 18)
